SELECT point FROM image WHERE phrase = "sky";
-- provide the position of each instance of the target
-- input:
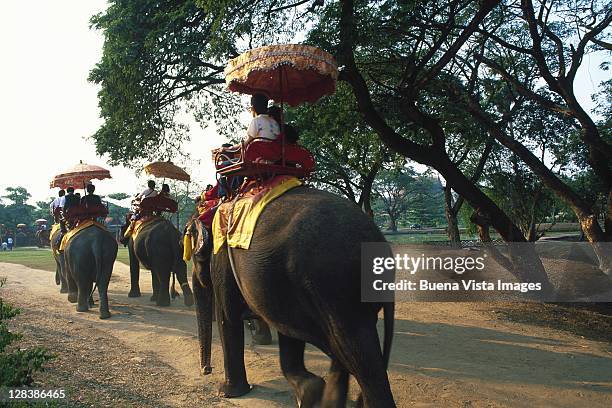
(48, 108)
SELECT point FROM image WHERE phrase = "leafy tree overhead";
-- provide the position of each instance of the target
(349, 155)
(162, 58)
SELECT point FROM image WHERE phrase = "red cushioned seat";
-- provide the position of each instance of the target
(264, 157)
(158, 203)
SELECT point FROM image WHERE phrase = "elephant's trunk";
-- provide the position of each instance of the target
(202, 289)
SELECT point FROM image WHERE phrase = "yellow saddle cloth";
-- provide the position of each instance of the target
(136, 226)
(73, 232)
(246, 211)
(54, 228)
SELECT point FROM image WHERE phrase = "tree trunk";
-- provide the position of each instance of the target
(588, 221)
(392, 223)
(451, 217)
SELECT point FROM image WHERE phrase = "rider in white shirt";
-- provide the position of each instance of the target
(149, 191)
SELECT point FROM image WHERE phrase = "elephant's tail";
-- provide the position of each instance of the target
(389, 321)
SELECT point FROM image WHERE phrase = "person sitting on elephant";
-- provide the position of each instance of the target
(149, 191)
(57, 204)
(262, 125)
(70, 200)
(165, 191)
(91, 199)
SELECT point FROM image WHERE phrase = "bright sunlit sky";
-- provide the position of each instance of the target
(48, 109)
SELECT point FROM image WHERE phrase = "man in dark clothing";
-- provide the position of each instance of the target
(70, 200)
(91, 199)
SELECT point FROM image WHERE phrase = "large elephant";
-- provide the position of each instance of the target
(301, 274)
(89, 257)
(60, 273)
(204, 297)
(158, 247)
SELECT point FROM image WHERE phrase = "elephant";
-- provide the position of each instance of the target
(158, 247)
(301, 275)
(60, 274)
(204, 298)
(89, 257)
(42, 238)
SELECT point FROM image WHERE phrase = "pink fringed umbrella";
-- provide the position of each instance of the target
(79, 175)
(287, 73)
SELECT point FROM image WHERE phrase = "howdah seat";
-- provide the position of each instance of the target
(265, 157)
(158, 203)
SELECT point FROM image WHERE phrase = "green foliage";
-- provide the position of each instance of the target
(16, 210)
(118, 196)
(404, 198)
(17, 366)
(347, 152)
(164, 58)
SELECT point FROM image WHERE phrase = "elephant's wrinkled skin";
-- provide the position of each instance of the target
(60, 273)
(301, 274)
(158, 247)
(89, 258)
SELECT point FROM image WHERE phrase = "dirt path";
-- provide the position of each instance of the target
(445, 354)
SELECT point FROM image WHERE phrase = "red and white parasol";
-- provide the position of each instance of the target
(79, 175)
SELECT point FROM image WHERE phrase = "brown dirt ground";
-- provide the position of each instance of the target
(444, 354)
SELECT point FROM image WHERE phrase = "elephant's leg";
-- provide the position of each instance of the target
(154, 285)
(83, 297)
(360, 353)
(72, 287)
(63, 283)
(204, 310)
(260, 331)
(180, 269)
(134, 271)
(163, 288)
(103, 293)
(57, 273)
(90, 299)
(307, 387)
(231, 331)
(336, 387)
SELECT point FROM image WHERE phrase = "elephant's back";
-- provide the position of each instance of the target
(155, 241)
(92, 238)
(309, 212)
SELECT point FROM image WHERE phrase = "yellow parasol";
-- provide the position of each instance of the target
(167, 170)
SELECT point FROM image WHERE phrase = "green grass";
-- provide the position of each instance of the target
(122, 255)
(42, 258)
(32, 257)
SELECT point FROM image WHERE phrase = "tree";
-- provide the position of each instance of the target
(164, 58)
(393, 187)
(348, 154)
(554, 40)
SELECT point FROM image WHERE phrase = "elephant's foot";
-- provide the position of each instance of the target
(227, 390)
(188, 296)
(310, 392)
(57, 279)
(134, 292)
(82, 308)
(63, 289)
(91, 302)
(153, 298)
(104, 314)
(207, 369)
(72, 297)
(163, 301)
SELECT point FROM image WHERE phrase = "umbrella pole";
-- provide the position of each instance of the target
(282, 124)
